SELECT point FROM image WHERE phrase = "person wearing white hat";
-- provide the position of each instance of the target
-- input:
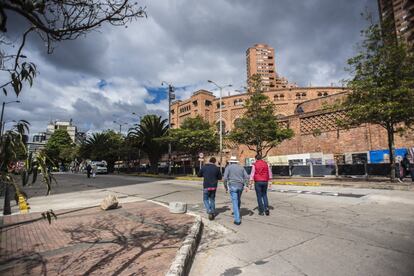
(235, 179)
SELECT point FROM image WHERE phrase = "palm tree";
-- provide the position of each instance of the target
(147, 133)
(102, 146)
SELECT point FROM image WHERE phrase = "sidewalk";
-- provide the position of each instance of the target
(138, 238)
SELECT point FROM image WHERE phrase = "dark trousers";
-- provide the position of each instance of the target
(261, 193)
(412, 173)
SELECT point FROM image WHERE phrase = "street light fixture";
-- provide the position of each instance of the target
(171, 96)
(220, 120)
(2, 113)
(120, 125)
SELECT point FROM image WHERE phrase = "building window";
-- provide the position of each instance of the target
(223, 105)
(237, 122)
(325, 94)
(223, 125)
(195, 103)
(298, 97)
(185, 109)
(172, 111)
(208, 103)
(238, 102)
(319, 94)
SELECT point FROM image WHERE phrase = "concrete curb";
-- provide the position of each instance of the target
(183, 260)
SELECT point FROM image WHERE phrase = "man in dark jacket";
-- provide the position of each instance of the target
(212, 175)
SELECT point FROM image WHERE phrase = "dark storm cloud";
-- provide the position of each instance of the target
(186, 42)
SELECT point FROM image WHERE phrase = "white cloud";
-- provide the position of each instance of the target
(185, 43)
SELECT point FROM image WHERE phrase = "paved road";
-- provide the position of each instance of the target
(306, 234)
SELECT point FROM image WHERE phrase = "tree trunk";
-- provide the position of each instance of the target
(6, 208)
(390, 133)
(194, 161)
(154, 165)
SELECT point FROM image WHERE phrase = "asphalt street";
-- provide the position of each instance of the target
(310, 230)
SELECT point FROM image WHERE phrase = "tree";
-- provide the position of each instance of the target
(54, 21)
(258, 128)
(148, 133)
(58, 143)
(102, 146)
(11, 143)
(382, 85)
(194, 136)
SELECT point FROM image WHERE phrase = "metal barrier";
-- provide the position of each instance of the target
(296, 170)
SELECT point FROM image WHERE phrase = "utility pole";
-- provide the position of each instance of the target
(171, 96)
(220, 87)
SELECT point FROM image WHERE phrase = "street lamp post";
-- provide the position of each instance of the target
(120, 126)
(220, 120)
(120, 133)
(6, 207)
(171, 96)
(2, 113)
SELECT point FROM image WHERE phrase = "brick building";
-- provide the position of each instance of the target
(260, 59)
(401, 15)
(317, 137)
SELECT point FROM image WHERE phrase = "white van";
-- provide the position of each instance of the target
(101, 166)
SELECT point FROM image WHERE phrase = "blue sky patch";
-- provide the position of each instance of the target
(160, 93)
(157, 94)
(101, 84)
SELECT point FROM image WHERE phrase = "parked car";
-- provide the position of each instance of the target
(101, 166)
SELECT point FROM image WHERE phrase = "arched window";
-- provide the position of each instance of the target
(319, 94)
(223, 125)
(282, 97)
(223, 105)
(297, 96)
(238, 102)
(276, 97)
(325, 94)
(303, 95)
(237, 122)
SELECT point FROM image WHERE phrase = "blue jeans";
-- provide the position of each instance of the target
(209, 199)
(235, 194)
(261, 193)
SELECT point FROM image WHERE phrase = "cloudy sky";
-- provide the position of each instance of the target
(115, 71)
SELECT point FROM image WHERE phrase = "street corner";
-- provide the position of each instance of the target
(139, 237)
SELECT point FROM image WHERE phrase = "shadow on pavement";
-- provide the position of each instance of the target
(138, 239)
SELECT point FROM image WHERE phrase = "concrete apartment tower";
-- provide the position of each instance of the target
(401, 15)
(260, 59)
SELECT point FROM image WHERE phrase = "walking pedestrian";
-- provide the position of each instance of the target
(211, 174)
(94, 169)
(404, 167)
(260, 176)
(88, 170)
(235, 179)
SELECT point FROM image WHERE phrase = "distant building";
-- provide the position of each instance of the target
(260, 59)
(38, 142)
(39, 137)
(65, 125)
(318, 139)
(401, 15)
